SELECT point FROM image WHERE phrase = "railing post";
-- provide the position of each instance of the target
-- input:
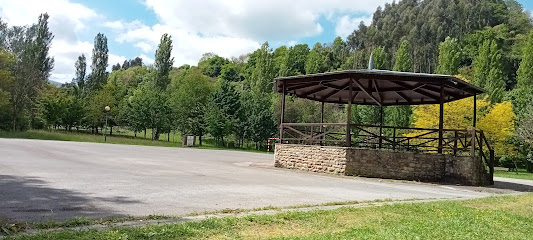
(455, 143)
(473, 144)
(394, 138)
(348, 118)
(311, 140)
(480, 144)
(491, 166)
(284, 92)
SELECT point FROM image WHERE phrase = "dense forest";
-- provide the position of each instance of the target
(486, 42)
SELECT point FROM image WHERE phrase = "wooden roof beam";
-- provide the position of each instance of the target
(367, 91)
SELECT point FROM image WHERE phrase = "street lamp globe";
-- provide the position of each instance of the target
(107, 108)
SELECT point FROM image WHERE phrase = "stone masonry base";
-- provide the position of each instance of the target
(382, 164)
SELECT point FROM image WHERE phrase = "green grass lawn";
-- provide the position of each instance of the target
(503, 217)
(115, 139)
(522, 174)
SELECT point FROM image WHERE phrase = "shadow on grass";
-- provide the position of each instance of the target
(31, 199)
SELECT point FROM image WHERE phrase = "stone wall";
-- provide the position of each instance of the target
(381, 163)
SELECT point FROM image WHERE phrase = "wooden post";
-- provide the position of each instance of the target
(491, 166)
(322, 123)
(284, 92)
(441, 117)
(473, 143)
(394, 138)
(380, 126)
(348, 132)
(475, 112)
(480, 144)
(455, 143)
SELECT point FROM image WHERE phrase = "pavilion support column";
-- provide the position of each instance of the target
(380, 126)
(475, 113)
(348, 118)
(284, 92)
(322, 122)
(441, 117)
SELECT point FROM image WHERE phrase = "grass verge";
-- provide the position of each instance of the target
(87, 137)
(522, 174)
(503, 217)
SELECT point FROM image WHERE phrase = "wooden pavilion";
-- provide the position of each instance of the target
(384, 88)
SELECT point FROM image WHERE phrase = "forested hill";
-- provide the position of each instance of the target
(425, 24)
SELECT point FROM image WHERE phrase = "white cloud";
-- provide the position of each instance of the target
(226, 27)
(144, 46)
(187, 47)
(66, 20)
(147, 60)
(65, 55)
(114, 59)
(346, 24)
(273, 20)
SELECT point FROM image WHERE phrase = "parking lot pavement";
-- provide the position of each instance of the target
(42, 180)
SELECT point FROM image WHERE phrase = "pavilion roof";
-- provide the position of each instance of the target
(377, 87)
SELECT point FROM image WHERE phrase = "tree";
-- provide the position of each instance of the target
(52, 104)
(7, 62)
(99, 63)
(498, 125)
(116, 67)
(449, 57)
(263, 74)
(340, 53)
(496, 120)
(380, 58)
(230, 73)
(259, 125)
(296, 59)
(403, 60)
(315, 60)
(488, 71)
(224, 111)
(189, 102)
(525, 78)
(212, 66)
(33, 67)
(81, 69)
(150, 109)
(163, 62)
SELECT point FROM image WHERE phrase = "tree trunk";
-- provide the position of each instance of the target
(135, 134)
(200, 140)
(145, 133)
(111, 130)
(96, 130)
(168, 137)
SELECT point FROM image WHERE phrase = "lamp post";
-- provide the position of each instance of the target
(106, 110)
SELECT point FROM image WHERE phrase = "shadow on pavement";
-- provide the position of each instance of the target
(512, 185)
(30, 199)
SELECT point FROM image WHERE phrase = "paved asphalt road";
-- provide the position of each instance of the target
(43, 180)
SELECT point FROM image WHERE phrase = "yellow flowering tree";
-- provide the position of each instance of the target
(497, 121)
(498, 125)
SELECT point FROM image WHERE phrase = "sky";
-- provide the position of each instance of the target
(228, 28)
